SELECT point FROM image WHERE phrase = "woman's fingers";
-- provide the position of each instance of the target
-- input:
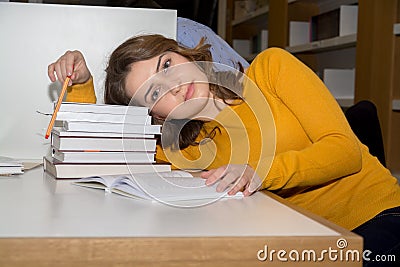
(226, 175)
(70, 60)
(59, 72)
(50, 72)
(215, 175)
(253, 185)
(207, 174)
(239, 186)
(238, 177)
(227, 180)
(72, 64)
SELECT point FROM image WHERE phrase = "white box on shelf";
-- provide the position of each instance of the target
(341, 21)
(264, 39)
(396, 29)
(242, 46)
(340, 82)
(348, 20)
(299, 33)
(259, 42)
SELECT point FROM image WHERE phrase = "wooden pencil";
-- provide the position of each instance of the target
(54, 116)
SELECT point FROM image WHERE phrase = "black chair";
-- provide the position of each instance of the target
(364, 121)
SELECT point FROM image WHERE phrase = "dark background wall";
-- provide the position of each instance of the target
(205, 11)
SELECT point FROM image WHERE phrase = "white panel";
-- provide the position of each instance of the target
(34, 35)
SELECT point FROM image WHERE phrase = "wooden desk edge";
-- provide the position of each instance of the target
(170, 251)
(187, 251)
(329, 224)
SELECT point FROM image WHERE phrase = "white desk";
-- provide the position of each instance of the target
(47, 221)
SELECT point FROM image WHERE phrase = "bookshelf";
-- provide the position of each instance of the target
(318, 55)
(325, 45)
(374, 53)
(244, 27)
(378, 61)
(335, 52)
(256, 14)
(396, 100)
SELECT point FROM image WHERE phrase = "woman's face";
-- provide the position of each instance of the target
(170, 85)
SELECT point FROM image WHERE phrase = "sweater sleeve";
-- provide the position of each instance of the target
(83, 93)
(334, 151)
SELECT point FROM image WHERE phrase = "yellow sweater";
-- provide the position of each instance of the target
(319, 163)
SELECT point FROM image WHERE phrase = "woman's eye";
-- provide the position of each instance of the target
(155, 94)
(166, 65)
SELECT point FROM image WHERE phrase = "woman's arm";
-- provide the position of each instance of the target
(334, 151)
(83, 93)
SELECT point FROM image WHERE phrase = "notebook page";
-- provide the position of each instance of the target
(176, 186)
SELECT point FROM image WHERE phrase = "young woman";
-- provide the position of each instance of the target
(282, 131)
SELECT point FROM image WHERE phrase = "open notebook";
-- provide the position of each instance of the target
(163, 186)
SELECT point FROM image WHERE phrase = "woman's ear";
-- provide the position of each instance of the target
(157, 117)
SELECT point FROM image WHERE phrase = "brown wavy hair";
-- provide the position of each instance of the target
(177, 134)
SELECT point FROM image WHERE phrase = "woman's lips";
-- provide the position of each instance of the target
(190, 91)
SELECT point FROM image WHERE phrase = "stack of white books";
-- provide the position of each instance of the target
(99, 139)
(10, 166)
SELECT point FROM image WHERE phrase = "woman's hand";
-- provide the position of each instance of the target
(72, 64)
(238, 177)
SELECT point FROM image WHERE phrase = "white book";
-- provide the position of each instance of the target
(103, 144)
(62, 133)
(123, 128)
(167, 187)
(102, 117)
(103, 157)
(103, 108)
(65, 170)
(11, 170)
(10, 166)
